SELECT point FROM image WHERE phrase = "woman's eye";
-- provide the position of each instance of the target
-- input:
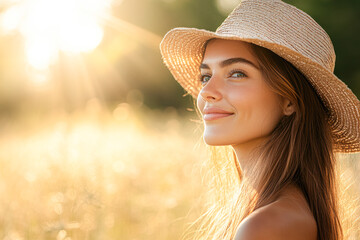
(204, 79)
(237, 75)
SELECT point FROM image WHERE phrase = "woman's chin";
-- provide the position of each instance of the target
(214, 141)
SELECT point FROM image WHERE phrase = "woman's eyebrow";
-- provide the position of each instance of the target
(236, 60)
(230, 61)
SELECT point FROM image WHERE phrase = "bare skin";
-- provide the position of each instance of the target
(289, 217)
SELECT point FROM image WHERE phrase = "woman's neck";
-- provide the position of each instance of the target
(246, 153)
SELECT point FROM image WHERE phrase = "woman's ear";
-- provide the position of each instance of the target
(288, 107)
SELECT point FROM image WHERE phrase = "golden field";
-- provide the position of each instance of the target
(100, 174)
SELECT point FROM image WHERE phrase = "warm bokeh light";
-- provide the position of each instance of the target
(50, 26)
(40, 52)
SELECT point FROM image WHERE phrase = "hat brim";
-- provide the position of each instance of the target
(182, 50)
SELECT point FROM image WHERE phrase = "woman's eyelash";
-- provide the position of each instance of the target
(202, 76)
(207, 76)
(237, 71)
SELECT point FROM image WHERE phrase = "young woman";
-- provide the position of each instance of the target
(265, 86)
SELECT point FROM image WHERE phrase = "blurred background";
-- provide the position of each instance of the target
(97, 141)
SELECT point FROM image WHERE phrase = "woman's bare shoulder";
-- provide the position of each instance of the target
(284, 219)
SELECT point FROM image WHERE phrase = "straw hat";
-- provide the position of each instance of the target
(288, 32)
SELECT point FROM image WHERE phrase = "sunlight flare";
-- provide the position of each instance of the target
(50, 26)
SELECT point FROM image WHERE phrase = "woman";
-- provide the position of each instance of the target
(265, 86)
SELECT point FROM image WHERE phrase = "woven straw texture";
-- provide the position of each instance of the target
(290, 33)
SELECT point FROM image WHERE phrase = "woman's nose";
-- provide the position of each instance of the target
(211, 92)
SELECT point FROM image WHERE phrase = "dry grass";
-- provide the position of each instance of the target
(94, 175)
(90, 177)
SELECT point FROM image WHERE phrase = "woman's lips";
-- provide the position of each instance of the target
(214, 116)
(212, 113)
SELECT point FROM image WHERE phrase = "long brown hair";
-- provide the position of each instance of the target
(299, 152)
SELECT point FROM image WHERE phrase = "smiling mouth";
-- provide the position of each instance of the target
(215, 116)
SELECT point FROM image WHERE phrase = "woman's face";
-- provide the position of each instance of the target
(237, 106)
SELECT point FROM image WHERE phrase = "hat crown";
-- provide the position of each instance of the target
(283, 24)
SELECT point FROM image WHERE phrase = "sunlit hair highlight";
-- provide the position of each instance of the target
(298, 152)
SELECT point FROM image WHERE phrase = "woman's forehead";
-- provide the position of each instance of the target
(218, 50)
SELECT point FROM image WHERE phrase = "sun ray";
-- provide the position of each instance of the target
(140, 34)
